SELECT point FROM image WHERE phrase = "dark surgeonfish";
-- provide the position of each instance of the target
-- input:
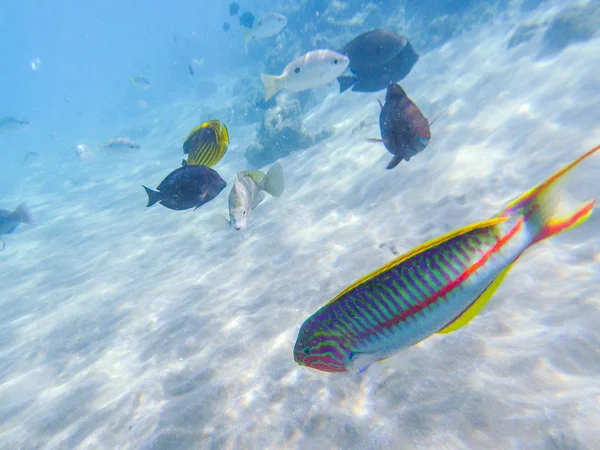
(10, 220)
(187, 187)
(377, 58)
(11, 122)
(404, 130)
(206, 144)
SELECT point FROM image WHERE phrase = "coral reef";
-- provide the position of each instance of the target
(281, 133)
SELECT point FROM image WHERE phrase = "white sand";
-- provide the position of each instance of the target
(126, 327)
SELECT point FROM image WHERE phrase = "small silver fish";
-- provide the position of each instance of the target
(10, 220)
(11, 122)
(84, 152)
(140, 82)
(120, 145)
(249, 190)
(268, 25)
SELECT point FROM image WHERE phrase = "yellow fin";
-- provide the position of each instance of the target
(271, 85)
(225, 134)
(420, 249)
(477, 305)
(257, 176)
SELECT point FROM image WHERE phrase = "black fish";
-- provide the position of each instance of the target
(234, 8)
(187, 187)
(247, 19)
(10, 220)
(190, 69)
(404, 130)
(226, 26)
(377, 58)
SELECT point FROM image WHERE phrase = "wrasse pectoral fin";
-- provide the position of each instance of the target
(360, 362)
(472, 311)
(394, 162)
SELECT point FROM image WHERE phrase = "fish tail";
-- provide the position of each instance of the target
(247, 33)
(272, 183)
(23, 215)
(153, 196)
(540, 207)
(271, 85)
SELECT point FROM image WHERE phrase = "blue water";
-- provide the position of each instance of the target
(123, 326)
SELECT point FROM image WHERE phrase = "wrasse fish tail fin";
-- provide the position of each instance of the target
(153, 196)
(539, 206)
(271, 85)
(476, 307)
(272, 183)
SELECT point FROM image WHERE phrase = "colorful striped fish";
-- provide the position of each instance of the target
(206, 144)
(438, 287)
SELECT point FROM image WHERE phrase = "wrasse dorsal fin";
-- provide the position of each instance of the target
(476, 307)
(420, 249)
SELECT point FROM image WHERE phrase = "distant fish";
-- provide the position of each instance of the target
(84, 152)
(249, 190)
(206, 144)
(35, 64)
(268, 25)
(190, 70)
(120, 145)
(311, 70)
(11, 122)
(234, 8)
(197, 62)
(29, 158)
(226, 26)
(404, 130)
(187, 187)
(10, 220)
(377, 58)
(437, 288)
(247, 20)
(140, 82)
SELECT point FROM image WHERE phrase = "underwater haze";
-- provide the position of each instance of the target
(128, 324)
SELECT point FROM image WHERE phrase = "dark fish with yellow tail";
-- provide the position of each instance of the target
(404, 129)
(187, 187)
(206, 144)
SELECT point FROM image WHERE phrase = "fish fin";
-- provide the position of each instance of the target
(272, 183)
(225, 134)
(490, 223)
(247, 34)
(270, 84)
(346, 82)
(258, 199)
(380, 104)
(23, 215)
(360, 362)
(539, 207)
(257, 176)
(476, 307)
(382, 141)
(394, 162)
(153, 196)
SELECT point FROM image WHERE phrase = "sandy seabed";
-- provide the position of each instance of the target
(126, 327)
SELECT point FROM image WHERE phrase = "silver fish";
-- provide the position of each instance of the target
(120, 144)
(249, 190)
(10, 220)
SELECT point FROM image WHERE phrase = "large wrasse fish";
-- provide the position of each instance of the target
(438, 287)
(206, 144)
